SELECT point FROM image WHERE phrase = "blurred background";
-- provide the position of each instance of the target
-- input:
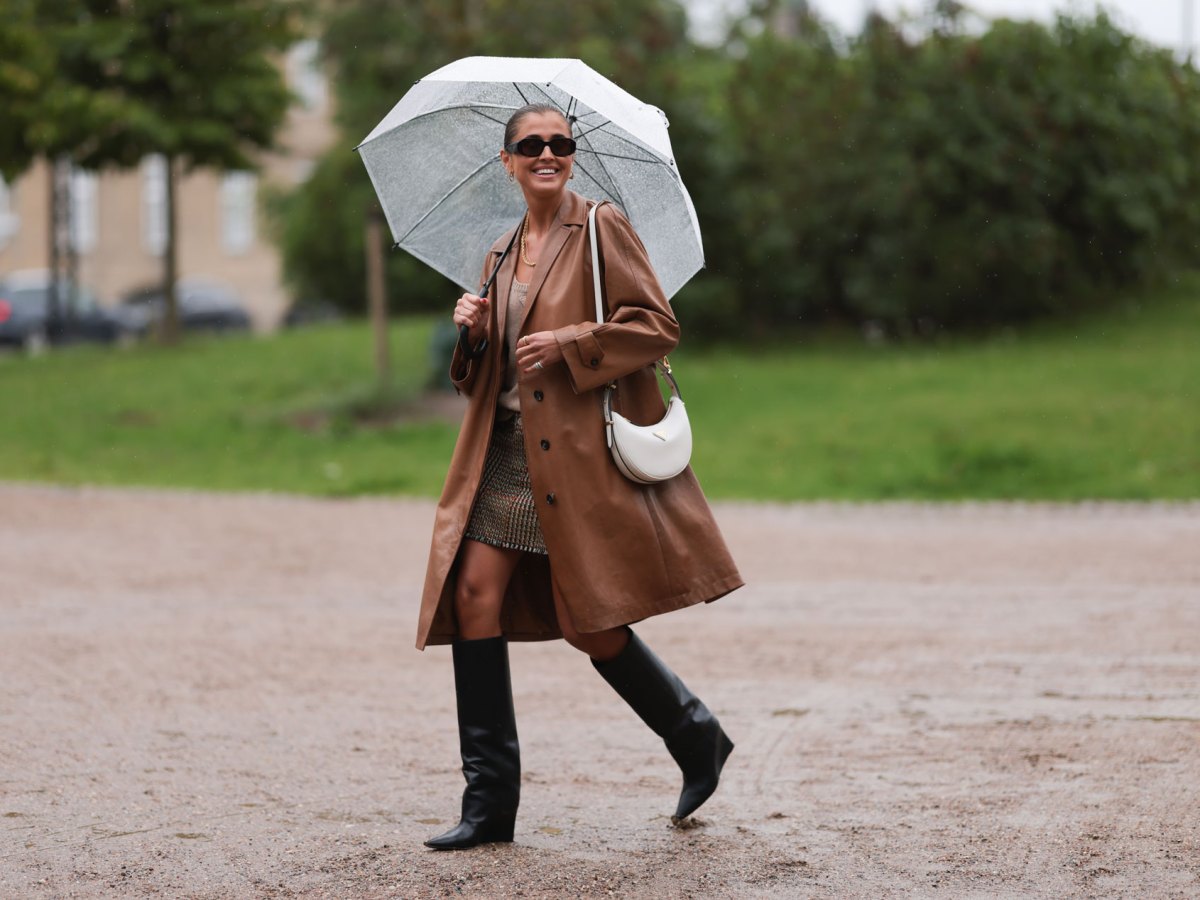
(950, 247)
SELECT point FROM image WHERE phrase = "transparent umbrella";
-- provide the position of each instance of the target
(434, 162)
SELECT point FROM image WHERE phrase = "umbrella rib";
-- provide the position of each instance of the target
(607, 174)
(473, 107)
(446, 196)
(620, 137)
(649, 162)
(480, 112)
(619, 199)
(547, 96)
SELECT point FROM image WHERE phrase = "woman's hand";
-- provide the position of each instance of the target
(472, 312)
(538, 351)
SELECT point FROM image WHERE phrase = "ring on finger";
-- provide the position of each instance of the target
(538, 364)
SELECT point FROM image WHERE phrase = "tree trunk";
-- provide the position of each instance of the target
(59, 243)
(70, 250)
(169, 327)
(377, 293)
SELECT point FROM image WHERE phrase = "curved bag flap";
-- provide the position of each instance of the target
(650, 453)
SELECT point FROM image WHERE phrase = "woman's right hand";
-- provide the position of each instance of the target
(472, 312)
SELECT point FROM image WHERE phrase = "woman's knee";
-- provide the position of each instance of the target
(476, 598)
(571, 636)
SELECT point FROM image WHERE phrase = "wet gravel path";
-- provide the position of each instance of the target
(217, 696)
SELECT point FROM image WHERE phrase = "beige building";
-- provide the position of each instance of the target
(118, 217)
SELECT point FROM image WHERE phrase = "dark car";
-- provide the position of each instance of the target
(25, 319)
(304, 313)
(203, 306)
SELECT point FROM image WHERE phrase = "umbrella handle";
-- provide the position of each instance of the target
(464, 338)
(464, 344)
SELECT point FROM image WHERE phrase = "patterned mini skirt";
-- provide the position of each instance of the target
(504, 514)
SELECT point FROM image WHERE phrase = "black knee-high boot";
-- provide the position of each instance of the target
(487, 736)
(690, 730)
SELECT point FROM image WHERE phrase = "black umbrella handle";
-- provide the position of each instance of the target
(464, 335)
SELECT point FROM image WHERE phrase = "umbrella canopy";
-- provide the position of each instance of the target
(434, 162)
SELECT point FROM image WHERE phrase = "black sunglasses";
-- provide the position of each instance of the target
(533, 146)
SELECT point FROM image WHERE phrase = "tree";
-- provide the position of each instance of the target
(98, 83)
(196, 81)
(54, 104)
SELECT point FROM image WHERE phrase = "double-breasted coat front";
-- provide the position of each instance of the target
(618, 552)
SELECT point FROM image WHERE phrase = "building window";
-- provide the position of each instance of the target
(84, 213)
(305, 75)
(154, 204)
(9, 222)
(237, 211)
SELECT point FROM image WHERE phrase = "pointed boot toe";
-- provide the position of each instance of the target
(703, 774)
(467, 834)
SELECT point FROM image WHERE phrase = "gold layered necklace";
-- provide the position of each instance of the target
(524, 228)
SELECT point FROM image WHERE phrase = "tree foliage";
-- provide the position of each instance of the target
(104, 83)
(961, 178)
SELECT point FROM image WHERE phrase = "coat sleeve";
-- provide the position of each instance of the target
(465, 372)
(640, 327)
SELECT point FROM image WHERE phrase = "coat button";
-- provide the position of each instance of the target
(538, 396)
(550, 498)
(545, 444)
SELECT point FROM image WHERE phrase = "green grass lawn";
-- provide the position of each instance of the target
(1104, 408)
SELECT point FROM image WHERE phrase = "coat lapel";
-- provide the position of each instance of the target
(564, 220)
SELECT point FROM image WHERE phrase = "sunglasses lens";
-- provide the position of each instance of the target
(532, 146)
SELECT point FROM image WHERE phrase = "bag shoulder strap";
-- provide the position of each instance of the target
(595, 247)
(661, 365)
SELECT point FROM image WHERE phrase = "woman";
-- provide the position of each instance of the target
(537, 534)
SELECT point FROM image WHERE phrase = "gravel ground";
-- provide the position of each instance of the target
(217, 696)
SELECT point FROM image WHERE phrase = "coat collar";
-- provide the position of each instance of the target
(572, 211)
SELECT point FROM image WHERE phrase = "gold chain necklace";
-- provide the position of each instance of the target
(525, 227)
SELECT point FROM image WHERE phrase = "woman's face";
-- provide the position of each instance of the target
(545, 175)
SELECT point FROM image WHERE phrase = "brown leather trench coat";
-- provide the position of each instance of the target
(618, 551)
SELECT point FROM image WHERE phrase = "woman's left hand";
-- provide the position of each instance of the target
(538, 351)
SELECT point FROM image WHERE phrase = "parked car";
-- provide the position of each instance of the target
(25, 319)
(203, 306)
(303, 313)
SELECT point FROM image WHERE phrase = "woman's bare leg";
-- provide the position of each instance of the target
(599, 645)
(483, 575)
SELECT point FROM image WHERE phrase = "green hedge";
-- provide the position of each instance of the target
(959, 179)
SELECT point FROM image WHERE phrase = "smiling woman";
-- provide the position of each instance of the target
(538, 535)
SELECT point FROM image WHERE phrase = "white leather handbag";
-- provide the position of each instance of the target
(644, 453)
